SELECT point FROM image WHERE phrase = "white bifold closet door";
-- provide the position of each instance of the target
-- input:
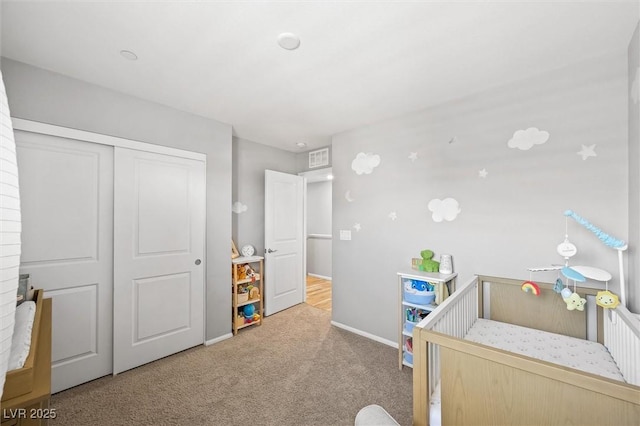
(159, 209)
(66, 189)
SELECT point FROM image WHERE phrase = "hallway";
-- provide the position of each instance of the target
(319, 293)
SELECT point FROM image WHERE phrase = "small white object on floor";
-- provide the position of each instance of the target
(374, 415)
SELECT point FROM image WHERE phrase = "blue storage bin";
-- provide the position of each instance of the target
(408, 325)
(419, 297)
(408, 357)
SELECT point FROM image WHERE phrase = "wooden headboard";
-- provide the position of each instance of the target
(547, 311)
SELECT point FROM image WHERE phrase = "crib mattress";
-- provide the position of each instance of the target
(583, 355)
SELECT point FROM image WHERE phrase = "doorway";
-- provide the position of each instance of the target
(319, 238)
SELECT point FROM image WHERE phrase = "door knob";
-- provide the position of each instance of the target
(271, 251)
(198, 261)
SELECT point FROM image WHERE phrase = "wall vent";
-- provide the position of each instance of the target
(319, 158)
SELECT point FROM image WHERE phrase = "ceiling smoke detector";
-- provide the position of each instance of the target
(289, 41)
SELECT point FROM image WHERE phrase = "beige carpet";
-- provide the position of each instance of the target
(295, 369)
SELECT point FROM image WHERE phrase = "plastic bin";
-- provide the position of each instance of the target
(408, 357)
(408, 325)
(419, 297)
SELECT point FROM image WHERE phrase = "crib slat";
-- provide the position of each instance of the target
(623, 342)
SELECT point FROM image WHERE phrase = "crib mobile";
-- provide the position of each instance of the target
(566, 249)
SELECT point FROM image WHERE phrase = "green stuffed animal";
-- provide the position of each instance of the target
(428, 264)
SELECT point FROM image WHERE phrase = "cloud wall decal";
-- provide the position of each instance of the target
(365, 163)
(447, 209)
(238, 207)
(526, 139)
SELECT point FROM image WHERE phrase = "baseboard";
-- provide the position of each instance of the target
(365, 334)
(218, 339)
(319, 276)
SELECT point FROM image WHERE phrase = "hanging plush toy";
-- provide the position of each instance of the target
(575, 302)
(566, 249)
(606, 299)
(558, 286)
(530, 287)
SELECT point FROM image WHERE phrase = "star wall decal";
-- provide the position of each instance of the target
(357, 227)
(413, 156)
(483, 173)
(393, 215)
(588, 151)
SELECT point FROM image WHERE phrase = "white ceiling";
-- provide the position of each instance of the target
(359, 62)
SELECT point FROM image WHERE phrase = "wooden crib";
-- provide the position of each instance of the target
(483, 385)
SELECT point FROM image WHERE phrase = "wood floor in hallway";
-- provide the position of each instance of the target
(319, 293)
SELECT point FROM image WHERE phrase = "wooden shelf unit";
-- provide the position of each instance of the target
(257, 264)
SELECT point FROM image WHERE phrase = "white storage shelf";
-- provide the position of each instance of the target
(405, 356)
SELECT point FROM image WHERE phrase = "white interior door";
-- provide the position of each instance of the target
(284, 241)
(159, 233)
(66, 190)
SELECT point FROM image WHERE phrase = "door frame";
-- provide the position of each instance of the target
(84, 136)
(117, 142)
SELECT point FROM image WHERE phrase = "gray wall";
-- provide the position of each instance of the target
(250, 160)
(40, 95)
(319, 207)
(319, 222)
(633, 297)
(511, 219)
(1, 2)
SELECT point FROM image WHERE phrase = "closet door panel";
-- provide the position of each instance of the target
(163, 219)
(82, 324)
(66, 191)
(60, 207)
(169, 294)
(159, 247)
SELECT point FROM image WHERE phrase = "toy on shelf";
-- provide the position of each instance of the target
(245, 272)
(414, 315)
(419, 292)
(409, 345)
(248, 311)
(254, 292)
(426, 262)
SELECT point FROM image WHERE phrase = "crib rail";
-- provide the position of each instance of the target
(477, 379)
(454, 317)
(622, 338)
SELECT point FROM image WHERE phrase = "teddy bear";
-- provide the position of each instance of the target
(428, 264)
